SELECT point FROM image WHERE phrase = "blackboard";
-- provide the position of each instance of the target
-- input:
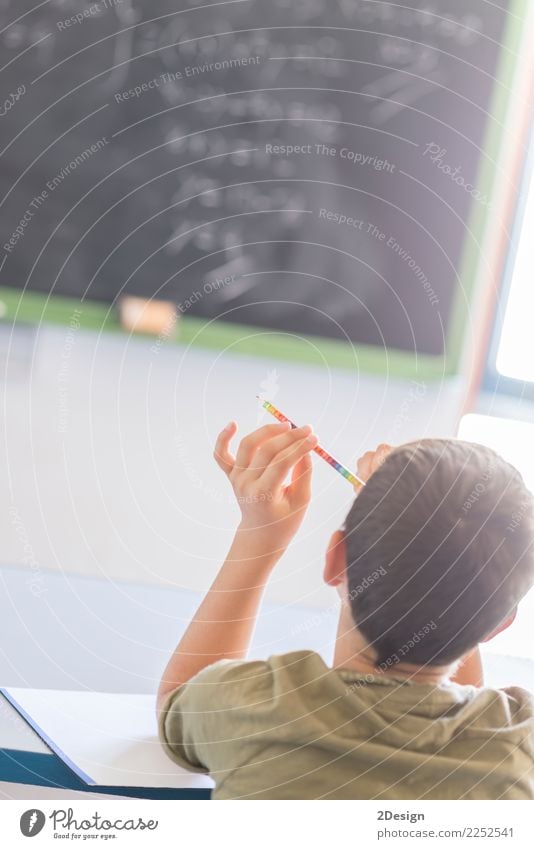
(303, 165)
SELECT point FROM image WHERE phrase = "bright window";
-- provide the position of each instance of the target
(515, 353)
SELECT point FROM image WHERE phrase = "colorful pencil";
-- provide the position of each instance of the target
(339, 467)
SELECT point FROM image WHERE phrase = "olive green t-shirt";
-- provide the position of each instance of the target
(292, 728)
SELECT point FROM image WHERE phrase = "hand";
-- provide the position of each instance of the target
(371, 461)
(271, 511)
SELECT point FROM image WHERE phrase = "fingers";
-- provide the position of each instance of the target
(221, 453)
(271, 447)
(299, 491)
(363, 466)
(372, 460)
(250, 444)
(381, 453)
(280, 466)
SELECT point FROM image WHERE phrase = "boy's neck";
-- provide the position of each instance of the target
(352, 652)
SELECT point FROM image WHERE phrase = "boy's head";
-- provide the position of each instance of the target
(439, 550)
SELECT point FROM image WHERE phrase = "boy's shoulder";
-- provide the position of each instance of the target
(304, 675)
(295, 664)
(521, 705)
(244, 681)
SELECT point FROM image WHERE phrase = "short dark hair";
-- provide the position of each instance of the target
(439, 550)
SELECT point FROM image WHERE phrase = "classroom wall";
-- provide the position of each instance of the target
(107, 446)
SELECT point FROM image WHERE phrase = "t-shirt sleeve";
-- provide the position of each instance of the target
(194, 717)
(521, 707)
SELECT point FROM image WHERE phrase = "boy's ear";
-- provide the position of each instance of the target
(502, 627)
(335, 569)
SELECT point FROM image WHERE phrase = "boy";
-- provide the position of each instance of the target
(446, 528)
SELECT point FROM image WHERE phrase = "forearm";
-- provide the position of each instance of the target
(470, 671)
(271, 513)
(224, 623)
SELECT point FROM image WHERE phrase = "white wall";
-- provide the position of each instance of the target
(107, 453)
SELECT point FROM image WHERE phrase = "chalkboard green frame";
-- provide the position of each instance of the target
(33, 307)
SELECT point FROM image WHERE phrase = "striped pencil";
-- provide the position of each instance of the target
(339, 467)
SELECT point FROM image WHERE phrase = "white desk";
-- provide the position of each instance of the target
(88, 633)
(117, 637)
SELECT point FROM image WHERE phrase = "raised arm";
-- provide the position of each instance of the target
(271, 513)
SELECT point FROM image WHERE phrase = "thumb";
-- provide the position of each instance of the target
(299, 489)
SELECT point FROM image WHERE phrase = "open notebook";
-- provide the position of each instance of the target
(107, 739)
